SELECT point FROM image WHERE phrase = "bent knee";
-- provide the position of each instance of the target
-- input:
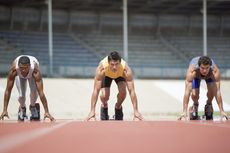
(122, 94)
(33, 96)
(104, 97)
(22, 99)
(195, 96)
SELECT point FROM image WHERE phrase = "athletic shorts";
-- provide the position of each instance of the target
(196, 82)
(106, 81)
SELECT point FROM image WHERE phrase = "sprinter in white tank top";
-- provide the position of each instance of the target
(24, 68)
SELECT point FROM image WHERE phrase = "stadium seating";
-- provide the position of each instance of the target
(159, 45)
(79, 53)
(66, 51)
(191, 46)
(144, 50)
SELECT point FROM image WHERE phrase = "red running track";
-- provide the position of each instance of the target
(115, 137)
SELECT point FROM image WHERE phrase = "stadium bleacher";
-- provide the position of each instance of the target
(160, 45)
(144, 50)
(66, 51)
(191, 46)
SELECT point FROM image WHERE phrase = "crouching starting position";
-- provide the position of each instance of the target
(111, 68)
(26, 68)
(202, 68)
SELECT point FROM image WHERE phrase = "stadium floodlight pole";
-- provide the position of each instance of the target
(125, 30)
(204, 27)
(50, 35)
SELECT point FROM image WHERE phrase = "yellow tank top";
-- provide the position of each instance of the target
(110, 73)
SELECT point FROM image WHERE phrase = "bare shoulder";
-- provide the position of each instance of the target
(191, 73)
(216, 72)
(215, 69)
(128, 73)
(36, 69)
(100, 71)
(191, 68)
(37, 73)
(127, 69)
(12, 72)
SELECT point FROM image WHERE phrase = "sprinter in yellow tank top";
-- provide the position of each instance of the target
(111, 68)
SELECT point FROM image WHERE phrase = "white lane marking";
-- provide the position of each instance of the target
(8, 143)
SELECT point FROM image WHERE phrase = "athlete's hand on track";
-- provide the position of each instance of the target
(224, 115)
(47, 115)
(183, 115)
(91, 117)
(4, 114)
(137, 116)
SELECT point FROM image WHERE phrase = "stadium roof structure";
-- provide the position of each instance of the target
(219, 7)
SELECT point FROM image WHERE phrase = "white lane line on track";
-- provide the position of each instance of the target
(8, 143)
(213, 124)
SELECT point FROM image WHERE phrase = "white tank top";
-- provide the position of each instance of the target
(33, 61)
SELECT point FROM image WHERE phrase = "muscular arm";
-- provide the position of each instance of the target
(130, 85)
(39, 84)
(219, 97)
(10, 83)
(187, 93)
(188, 89)
(97, 86)
(217, 93)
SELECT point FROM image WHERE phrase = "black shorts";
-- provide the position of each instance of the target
(106, 81)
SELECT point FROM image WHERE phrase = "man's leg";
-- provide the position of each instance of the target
(34, 108)
(33, 91)
(121, 84)
(195, 90)
(195, 96)
(193, 111)
(105, 93)
(121, 94)
(208, 109)
(21, 86)
(211, 90)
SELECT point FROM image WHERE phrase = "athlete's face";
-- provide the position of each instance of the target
(114, 65)
(204, 69)
(24, 69)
